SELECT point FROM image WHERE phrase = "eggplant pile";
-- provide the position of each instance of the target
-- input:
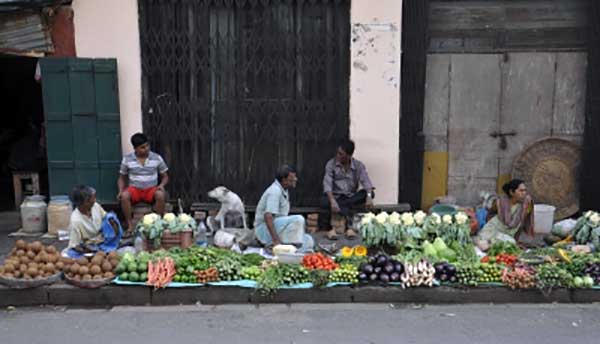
(445, 272)
(381, 268)
(593, 270)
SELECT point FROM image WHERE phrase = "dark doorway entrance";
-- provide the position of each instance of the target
(22, 142)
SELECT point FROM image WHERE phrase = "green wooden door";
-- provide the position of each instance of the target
(83, 136)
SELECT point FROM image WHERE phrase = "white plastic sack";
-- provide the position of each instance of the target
(224, 239)
(564, 227)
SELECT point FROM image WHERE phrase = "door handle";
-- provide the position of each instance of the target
(496, 134)
(503, 144)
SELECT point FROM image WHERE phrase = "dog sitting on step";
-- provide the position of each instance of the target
(231, 214)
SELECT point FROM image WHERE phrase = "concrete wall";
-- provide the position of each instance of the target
(109, 28)
(375, 91)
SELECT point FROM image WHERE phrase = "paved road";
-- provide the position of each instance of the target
(304, 323)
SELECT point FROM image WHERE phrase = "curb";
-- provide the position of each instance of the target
(67, 295)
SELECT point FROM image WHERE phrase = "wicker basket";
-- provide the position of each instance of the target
(89, 284)
(17, 283)
(168, 240)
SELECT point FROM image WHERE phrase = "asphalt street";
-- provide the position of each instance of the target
(306, 323)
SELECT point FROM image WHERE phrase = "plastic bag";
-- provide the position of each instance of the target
(564, 227)
(224, 239)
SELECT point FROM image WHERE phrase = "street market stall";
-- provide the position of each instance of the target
(405, 250)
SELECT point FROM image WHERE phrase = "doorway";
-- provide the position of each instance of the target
(22, 134)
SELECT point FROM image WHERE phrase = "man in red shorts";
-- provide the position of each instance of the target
(138, 181)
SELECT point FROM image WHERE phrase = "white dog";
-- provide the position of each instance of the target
(231, 210)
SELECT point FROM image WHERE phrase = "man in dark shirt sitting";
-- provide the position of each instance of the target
(343, 177)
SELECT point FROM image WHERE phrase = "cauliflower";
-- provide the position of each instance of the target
(367, 218)
(461, 218)
(420, 217)
(149, 220)
(169, 217)
(595, 219)
(447, 219)
(588, 214)
(394, 218)
(381, 218)
(185, 218)
(408, 219)
(436, 219)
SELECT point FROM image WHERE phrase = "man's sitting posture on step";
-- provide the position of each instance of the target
(343, 177)
(138, 181)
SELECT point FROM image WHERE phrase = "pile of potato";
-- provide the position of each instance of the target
(30, 261)
(100, 266)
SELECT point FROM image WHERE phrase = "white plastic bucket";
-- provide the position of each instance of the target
(33, 214)
(544, 218)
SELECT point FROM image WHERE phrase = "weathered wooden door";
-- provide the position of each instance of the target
(81, 107)
(488, 108)
(474, 114)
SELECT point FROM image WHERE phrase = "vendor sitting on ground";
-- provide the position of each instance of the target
(140, 170)
(91, 229)
(272, 224)
(341, 194)
(514, 216)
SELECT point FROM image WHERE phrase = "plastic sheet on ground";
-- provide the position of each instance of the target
(240, 283)
(170, 285)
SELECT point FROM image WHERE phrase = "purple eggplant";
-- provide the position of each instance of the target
(381, 260)
(443, 277)
(394, 277)
(377, 270)
(399, 268)
(373, 277)
(367, 268)
(363, 276)
(388, 268)
(383, 277)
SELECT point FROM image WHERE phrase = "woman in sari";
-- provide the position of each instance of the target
(91, 228)
(514, 216)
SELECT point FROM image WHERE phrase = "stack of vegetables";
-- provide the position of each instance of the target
(31, 261)
(381, 268)
(398, 230)
(152, 226)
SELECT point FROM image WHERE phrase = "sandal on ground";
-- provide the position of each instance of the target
(350, 234)
(331, 235)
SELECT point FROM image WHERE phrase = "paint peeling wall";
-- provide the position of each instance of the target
(109, 28)
(375, 91)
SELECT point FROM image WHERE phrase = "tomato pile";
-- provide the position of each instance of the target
(502, 258)
(318, 261)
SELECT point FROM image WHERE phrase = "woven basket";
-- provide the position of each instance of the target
(550, 167)
(168, 240)
(15, 283)
(89, 284)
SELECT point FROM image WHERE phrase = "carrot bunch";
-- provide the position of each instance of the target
(161, 272)
(318, 261)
